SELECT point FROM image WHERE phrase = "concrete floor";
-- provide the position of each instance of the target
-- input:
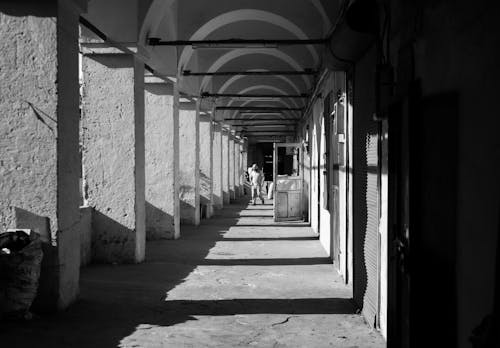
(237, 280)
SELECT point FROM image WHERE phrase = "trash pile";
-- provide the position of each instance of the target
(20, 261)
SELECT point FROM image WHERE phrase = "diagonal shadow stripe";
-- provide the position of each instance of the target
(261, 306)
(270, 239)
(267, 262)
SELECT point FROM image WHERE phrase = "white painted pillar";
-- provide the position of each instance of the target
(189, 164)
(217, 193)
(232, 167)
(206, 175)
(225, 166)
(113, 152)
(237, 167)
(242, 168)
(162, 160)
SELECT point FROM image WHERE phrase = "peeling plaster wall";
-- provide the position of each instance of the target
(160, 145)
(113, 155)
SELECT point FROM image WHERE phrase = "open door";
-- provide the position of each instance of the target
(288, 182)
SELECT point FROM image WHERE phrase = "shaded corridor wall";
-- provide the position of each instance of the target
(457, 51)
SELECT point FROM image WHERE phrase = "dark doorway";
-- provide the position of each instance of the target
(422, 215)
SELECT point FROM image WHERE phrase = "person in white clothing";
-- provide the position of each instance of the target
(256, 180)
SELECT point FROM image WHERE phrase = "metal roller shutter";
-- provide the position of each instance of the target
(366, 219)
(371, 245)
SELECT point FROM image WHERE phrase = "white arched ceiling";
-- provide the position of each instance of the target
(158, 9)
(244, 51)
(244, 15)
(246, 103)
(235, 78)
(264, 87)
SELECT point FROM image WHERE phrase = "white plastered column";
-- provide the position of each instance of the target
(225, 166)
(162, 160)
(206, 164)
(114, 152)
(189, 163)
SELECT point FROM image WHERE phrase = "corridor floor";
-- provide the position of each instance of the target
(237, 280)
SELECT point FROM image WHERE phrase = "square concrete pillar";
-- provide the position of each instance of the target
(237, 168)
(162, 160)
(217, 194)
(244, 165)
(206, 158)
(232, 167)
(226, 196)
(39, 138)
(113, 152)
(189, 164)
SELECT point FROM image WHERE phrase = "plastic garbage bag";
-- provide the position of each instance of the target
(20, 262)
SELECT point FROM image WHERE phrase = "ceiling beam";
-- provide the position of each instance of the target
(257, 108)
(262, 132)
(261, 119)
(260, 126)
(250, 73)
(257, 96)
(262, 123)
(236, 43)
(288, 126)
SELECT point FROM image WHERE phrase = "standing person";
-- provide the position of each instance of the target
(256, 179)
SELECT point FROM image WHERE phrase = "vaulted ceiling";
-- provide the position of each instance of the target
(254, 62)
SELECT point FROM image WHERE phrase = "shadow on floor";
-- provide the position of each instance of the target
(268, 239)
(116, 299)
(257, 306)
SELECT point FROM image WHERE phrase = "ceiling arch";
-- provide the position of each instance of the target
(243, 51)
(264, 87)
(244, 15)
(185, 24)
(267, 104)
(235, 78)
